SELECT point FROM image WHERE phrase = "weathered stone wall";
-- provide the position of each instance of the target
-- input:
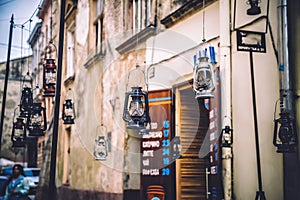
(18, 68)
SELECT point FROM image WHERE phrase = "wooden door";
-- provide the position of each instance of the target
(192, 122)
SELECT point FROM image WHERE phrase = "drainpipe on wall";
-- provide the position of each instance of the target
(225, 76)
(286, 132)
(286, 92)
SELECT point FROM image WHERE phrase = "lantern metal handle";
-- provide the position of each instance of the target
(45, 119)
(146, 117)
(137, 68)
(48, 49)
(126, 111)
(24, 79)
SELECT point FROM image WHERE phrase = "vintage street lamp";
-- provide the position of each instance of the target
(204, 79)
(49, 77)
(100, 145)
(136, 112)
(254, 9)
(37, 123)
(285, 138)
(68, 114)
(18, 136)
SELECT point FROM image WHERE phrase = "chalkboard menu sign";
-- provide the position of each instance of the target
(215, 171)
(157, 163)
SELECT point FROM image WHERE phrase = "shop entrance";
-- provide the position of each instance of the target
(192, 123)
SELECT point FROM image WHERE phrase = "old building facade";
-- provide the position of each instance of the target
(110, 46)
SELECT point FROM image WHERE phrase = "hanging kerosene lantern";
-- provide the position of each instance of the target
(204, 78)
(18, 136)
(49, 74)
(100, 145)
(37, 123)
(26, 98)
(49, 77)
(136, 112)
(68, 114)
(136, 107)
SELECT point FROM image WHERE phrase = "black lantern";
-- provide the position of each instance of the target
(254, 9)
(136, 113)
(26, 102)
(226, 136)
(37, 122)
(68, 114)
(176, 148)
(285, 138)
(18, 136)
(49, 77)
(204, 79)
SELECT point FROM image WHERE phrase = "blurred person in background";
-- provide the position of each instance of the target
(17, 187)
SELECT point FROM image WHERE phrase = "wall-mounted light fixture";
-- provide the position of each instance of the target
(258, 13)
(68, 115)
(285, 137)
(254, 8)
(204, 78)
(37, 122)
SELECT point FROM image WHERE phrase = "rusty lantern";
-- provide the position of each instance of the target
(49, 77)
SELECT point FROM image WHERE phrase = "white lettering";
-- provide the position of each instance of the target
(149, 144)
(146, 162)
(152, 172)
(148, 153)
(157, 134)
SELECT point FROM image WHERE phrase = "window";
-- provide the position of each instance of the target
(98, 24)
(141, 14)
(70, 53)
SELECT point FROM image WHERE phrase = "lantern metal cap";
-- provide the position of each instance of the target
(254, 10)
(36, 132)
(18, 144)
(204, 95)
(68, 120)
